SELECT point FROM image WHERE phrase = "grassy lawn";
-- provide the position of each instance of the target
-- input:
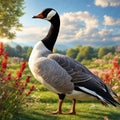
(44, 101)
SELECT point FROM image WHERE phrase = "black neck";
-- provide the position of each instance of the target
(51, 37)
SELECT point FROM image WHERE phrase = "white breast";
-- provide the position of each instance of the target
(38, 52)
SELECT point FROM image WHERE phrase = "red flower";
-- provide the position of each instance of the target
(107, 78)
(3, 78)
(6, 56)
(4, 64)
(1, 51)
(116, 63)
(29, 92)
(1, 48)
(118, 71)
(23, 66)
(19, 74)
(32, 88)
(28, 79)
(1, 44)
(17, 83)
(9, 76)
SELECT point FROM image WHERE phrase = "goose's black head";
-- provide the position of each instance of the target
(47, 14)
(52, 16)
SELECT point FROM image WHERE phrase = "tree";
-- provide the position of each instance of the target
(55, 50)
(112, 49)
(19, 50)
(10, 12)
(11, 51)
(29, 50)
(102, 51)
(71, 52)
(78, 47)
(86, 52)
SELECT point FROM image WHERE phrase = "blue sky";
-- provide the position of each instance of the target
(85, 22)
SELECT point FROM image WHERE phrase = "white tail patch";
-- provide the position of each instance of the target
(91, 92)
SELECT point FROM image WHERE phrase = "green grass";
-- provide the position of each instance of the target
(43, 101)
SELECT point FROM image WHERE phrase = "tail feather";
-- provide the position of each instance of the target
(108, 99)
(111, 91)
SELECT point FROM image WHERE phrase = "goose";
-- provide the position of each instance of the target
(63, 75)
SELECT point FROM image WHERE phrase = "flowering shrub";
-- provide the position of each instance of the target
(111, 76)
(13, 88)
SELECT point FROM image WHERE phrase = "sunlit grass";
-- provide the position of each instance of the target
(43, 101)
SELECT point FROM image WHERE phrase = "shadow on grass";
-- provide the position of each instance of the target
(98, 112)
(37, 116)
(111, 115)
(93, 115)
(85, 111)
(81, 116)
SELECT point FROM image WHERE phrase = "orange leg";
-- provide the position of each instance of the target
(59, 110)
(61, 99)
(73, 111)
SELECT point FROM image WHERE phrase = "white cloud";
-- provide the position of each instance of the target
(111, 21)
(31, 34)
(106, 3)
(76, 27)
(86, 28)
(105, 34)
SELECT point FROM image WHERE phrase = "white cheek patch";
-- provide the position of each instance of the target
(50, 15)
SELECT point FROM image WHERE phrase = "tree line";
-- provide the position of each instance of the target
(79, 52)
(18, 51)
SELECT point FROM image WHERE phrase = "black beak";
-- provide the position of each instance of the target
(34, 17)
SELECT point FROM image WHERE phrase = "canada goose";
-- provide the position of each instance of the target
(63, 75)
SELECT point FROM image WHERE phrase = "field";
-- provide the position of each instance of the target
(24, 98)
(43, 100)
(46, 101)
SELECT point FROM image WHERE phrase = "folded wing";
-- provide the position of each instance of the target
(84, 80)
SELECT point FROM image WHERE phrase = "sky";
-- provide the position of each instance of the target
(83, 22)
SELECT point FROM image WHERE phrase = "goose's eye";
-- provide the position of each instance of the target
(45, 13)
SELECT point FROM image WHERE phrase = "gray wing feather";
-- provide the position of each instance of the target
(79, 73)
(84, 80)
(54, 75)
(76, 70)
